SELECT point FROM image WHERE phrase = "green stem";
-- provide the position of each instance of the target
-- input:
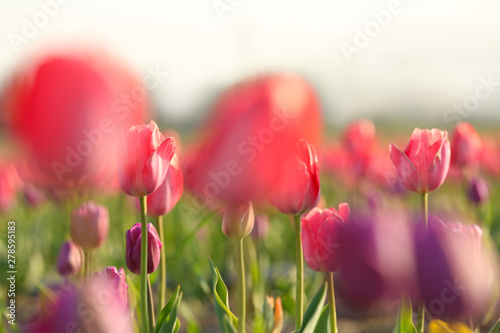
(144, 268)
(163, 265)
(151, 307)
(333, 311)
(241, 286)
(299, 290)
(421, 308)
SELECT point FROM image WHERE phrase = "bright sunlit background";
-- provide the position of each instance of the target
(423, 57)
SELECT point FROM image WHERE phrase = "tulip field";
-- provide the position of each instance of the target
(262, 219)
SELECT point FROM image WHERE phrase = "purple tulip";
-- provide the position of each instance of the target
(70, 259)
(478, 191)
(133, 249)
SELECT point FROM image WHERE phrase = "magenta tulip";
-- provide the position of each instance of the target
(70, 259)
(89, 225)
(144, 158)
(116, 281)
(133, 249)
(424, 164)
(298, 189)
(320, 237)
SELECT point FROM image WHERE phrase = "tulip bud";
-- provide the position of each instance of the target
(238, 220)
(133, 249)
(115, 279)
(89, 225)
(478, 191)
(144, 158)
(273, 315)
(424, 164)
(466, 146)
(70, 259)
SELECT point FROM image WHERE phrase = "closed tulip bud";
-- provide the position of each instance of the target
(320, 237)
(144, 158)
(89, 225)
(238, 220)
(466, 145)
(424, 164)
(133, 249)
(298, 191)
(164, 199)
(116, 281)
(478, 191)
(70, 259)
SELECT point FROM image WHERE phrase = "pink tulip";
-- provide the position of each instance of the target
(70, 259)
(164, 199)
(9, 183)
(298, 189)
(238, 220)
(424, 164)
(116, 281)
(144, 158)
(466, 146)
(133, 249)
(89, 225)
(320, 237)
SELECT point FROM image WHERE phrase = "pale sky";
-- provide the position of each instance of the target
(424, 58)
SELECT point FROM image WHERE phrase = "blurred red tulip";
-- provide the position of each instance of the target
(67, 112)
(359, 143)
(133, 249)
(254, 129)
(144, 157)
(9, 184)
(89, 225)
(298, 189)
(424, 164)
(490, 155)
(164, 199)
(465, 146)
(320, 237)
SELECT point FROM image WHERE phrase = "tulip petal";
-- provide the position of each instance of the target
(158, 163)
(438, 170)
(406, 170)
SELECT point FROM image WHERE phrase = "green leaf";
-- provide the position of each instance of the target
(314, 310)
(228, 325)
(323, 325)
(221, 298)
(167, 320)
(268, 316)
(404, 322)
(495, 328)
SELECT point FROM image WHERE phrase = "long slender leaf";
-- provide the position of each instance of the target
(313, 311)
(404, 323)
(221, 300)
(323, 325)
(166, 312)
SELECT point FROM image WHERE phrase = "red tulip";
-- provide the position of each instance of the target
(359, 143)
(9, 183)
(67, 111)
(70, 259)
(133, 249)
(89, 225)
(164, 199)
(425, 162)
(144, 158)
(320, 237)
(298, 190)
(466, 146)
(254, 129)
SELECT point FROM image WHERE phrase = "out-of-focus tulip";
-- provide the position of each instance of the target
(90, 308)
(9, 183)
(466, 146)
(254, 129)
(478, 191)
(133, 249)
(116, 280)
(143, 161)
(298, 190)
(425, 162)
(261, 227)
(455, 275)
(490, 155)
(67, 110)
(89, 225)
(70, 259)
(438, 326)
(238, 220)
(273, 315)
(320, 237)
(164, 199)
(32, 195)
(378, 260)
(359, 143)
